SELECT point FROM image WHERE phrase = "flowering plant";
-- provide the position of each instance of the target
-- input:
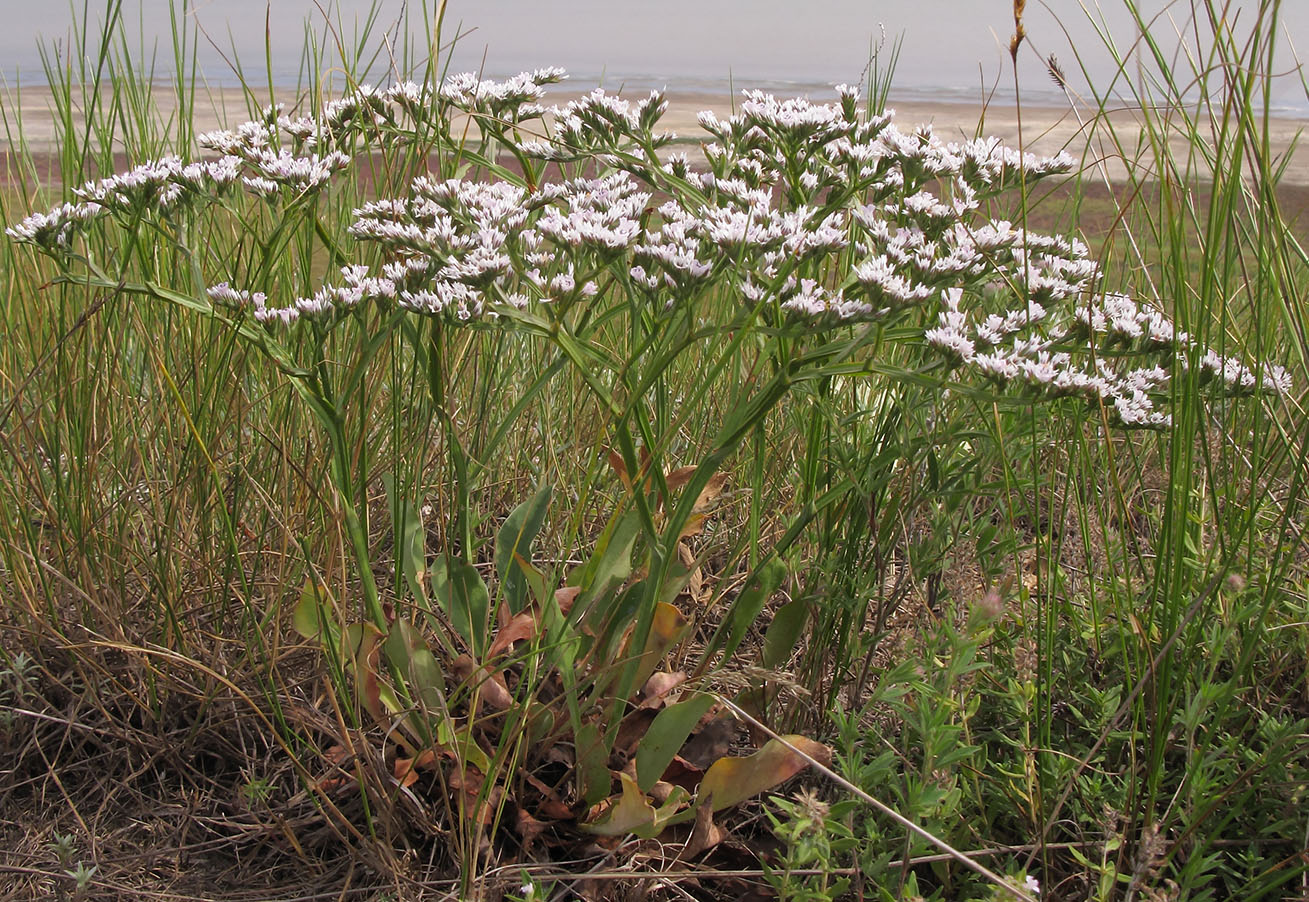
(818, 233)
(816, 215)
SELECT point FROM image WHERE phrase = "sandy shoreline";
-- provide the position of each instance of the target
(1044, 129)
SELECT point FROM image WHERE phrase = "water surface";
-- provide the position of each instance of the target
(952, 49)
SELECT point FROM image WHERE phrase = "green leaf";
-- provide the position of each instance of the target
(514, 542)
(426, 678)
(666, 736)
(631, 813)
(667, 813)
(459, 590)
(410, 540)
(311, 618)
(592, 752)
(749, 603)
(460, 741)
(784, 632)
(609, 567)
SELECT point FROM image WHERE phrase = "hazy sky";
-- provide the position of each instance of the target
(950, 46)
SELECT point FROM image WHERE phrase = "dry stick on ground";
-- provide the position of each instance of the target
(900, 819)
(550, 871)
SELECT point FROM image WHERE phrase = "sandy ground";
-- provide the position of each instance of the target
(1044, 130)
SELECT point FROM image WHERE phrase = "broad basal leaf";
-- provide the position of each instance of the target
(665, 737)
(459, 590)
(513, 545)
(730, 781)
(630, 813)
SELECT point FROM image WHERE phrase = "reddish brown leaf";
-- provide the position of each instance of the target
(645, 468)
(337, 756)
(712, 741)
(704, 835)
(406, 769)
(518, 629)
(529, 828)
(620, 468)
(632, 729)
(677, 479)
(683, 773)
(466, 779)
(551, 805)
(367, 682)
(406, 774)
(467, 783)
(708, 495)
(565, 597)
(333, 783)
(490, 687)
(658, 686)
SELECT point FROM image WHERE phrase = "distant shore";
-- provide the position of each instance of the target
(1045, 129)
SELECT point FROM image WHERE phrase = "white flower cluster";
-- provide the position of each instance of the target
(821, 213)
(603, 215)
(53, 229)
(597, 123)
(1070, 354)
(152, 186)
(276, 152)
(272, 167)
(513, 100)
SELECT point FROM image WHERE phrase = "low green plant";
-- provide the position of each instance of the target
(815, 836)
(82, 875)
(64, 847)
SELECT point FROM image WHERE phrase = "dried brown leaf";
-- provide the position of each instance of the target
(656, 688)
(520, 628)
(632, 730)
(564, 597)
(489, 685)
(704, 835)
(619, 467)
(712, 741)
(529, 828)
(683, 773)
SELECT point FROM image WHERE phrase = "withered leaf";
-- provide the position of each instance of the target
(520, 628)
(730, 781)
(529, 828)
(704, 835)
(631, 812)
(551, 805)
(406, 769)
(489, 685)
(565, 596)
(632, 730)
(712, 741)
(659, 685)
